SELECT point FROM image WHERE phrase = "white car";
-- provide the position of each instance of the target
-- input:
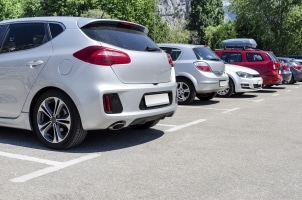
(241, 80)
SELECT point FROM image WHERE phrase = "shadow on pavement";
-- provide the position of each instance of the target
(96, 141)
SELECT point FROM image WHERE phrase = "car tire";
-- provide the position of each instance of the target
(185, 91)
(291, 81)
(145, 125)
(206, 96)
(227, 92)
(56, 121)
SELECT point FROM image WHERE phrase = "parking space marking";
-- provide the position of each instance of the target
(218, 109)
(274, 95)
(178, 127)
(288, 91)
(166, 125)
(54, 168)
(230, 110)
(28, 158)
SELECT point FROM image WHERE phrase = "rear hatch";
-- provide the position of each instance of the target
(148, 63)
(207, 55)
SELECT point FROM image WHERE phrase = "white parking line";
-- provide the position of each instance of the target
(274, 95)
(178, 127)
(54, 168)
(231, 110)
(28, 158)
(219, 109)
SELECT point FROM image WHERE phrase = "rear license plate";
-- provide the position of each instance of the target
(222, 83)
(156, 99)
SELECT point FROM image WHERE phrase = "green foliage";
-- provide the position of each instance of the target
(272, 23)
(215, 35)
(204, 13)
(138, 11)
(10, 9)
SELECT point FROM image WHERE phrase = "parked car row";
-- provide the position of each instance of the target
(63, 76)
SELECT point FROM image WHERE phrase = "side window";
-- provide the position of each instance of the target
(55, 29)
(174, 52)
(24, 36)
(231, 57)
(254, 57)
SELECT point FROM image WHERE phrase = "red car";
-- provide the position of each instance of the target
(242, 52)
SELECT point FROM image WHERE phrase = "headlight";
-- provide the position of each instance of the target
(244, 75)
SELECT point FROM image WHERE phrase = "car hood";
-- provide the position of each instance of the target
(237, 68)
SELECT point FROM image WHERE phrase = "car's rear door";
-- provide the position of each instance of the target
(24, 52)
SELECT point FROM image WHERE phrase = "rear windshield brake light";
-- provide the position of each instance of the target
(99, 55)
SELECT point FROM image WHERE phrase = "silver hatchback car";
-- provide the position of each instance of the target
(63, 76)
(199, 71)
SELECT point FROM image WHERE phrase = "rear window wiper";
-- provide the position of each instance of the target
(152, 48)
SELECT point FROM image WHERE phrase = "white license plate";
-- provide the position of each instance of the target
(222, 83)
(156, 99)
(279, 71)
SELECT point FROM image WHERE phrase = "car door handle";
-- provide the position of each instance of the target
(34, 63)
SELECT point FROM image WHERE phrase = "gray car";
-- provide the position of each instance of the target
(63, 76)
(199, 71)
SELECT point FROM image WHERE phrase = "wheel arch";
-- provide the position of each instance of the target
(36, 97)
(236, 83)
(188, 77)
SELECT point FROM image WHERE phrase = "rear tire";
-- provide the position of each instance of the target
(227, 92)
(185, 91)
(56, 121)
(206, 96)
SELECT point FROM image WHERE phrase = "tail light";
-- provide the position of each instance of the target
(284, 67)
(202, 66)
(170, 60)
(99, 55)
(297, 67)
(272, 66)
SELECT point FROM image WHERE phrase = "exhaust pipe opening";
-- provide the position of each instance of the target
(117, 125)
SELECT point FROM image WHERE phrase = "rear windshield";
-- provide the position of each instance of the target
(272, 56)
(121, 37)
(205, 53)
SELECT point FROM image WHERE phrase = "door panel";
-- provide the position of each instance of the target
(24, 53)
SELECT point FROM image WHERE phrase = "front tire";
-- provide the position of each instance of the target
(185, 91)
(229, 91)
(56, 121)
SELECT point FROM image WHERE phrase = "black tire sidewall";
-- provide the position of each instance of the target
(73, 116)
(192, 95)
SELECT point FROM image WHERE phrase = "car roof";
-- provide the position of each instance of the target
(180, 45)
(69, 22)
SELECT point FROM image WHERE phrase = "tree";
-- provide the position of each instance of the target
(270, 22)
(10, 9)
(138, 11)
(204, 13)
(214, 35)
